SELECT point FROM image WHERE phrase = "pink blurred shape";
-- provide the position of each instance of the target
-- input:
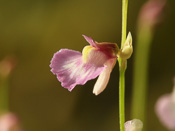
(165, 109)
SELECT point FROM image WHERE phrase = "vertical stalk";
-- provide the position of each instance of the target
(122, 96)
(122, 67)
(124, 20)
(141, 73)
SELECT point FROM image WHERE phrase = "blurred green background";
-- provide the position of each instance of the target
(33, 30)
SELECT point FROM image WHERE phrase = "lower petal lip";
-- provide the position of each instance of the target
(103, 79)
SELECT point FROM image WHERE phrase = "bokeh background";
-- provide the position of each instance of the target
(33, 30)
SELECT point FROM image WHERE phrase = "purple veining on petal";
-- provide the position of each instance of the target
(63, 57)
(70, 69)
(90, 41)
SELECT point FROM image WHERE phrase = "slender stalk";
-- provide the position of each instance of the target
(122, 97)
(124, 20)
(141, 73)
(122, 67)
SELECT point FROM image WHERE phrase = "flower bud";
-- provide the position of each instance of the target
(127, 48)
(133, 125)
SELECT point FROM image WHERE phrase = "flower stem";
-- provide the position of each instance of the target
(124, 20)
(122, 96)
(122, 67)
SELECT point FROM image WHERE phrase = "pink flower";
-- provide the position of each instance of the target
(152, 12)
(165, 109)
(74, 68)
(7, 65)
(9, 122)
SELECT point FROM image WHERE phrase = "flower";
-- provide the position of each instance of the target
(152, 12)
(133, 125)
(7, 65)
(165, 109)
(74, 68)
(9, 122)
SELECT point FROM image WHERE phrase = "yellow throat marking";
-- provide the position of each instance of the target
(86, 51)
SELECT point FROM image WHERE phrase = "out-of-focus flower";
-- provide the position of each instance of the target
(133, 125)
(165, 109)
(9, 122)
(7, 65)
(152, 12)
(74, 68)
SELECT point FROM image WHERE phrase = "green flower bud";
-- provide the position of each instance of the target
(127, 49)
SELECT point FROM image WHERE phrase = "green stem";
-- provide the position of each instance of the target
(122, 67)
(124, 20)
(141, 73)
(122, 96)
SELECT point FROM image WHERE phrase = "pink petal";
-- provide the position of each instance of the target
(165, 109)
(9, 122)
(90, 41)
(103, 79)
(70, 69)
(109, 49)
(94, 56)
